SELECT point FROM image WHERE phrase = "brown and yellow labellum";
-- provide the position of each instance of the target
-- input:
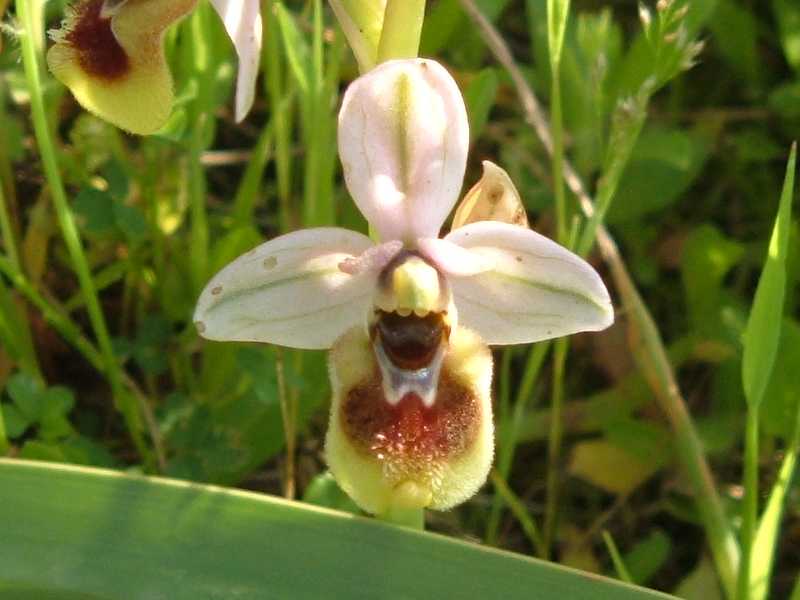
(409, 455)
(110, 54)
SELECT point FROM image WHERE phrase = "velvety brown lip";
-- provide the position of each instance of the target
(411, 342)
(99, 53)
(411, 430)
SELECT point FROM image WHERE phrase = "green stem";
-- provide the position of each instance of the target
(554, 445)
(198, 236)
(244, 201)
(556, 121)
(4, 445)
(30, 59)
(413, 518)
(6, 228)
(281, 114)
(750, 503)
(288, 414)
(402, 29)
(616, 558)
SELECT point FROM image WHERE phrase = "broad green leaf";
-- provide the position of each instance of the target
(700, 584)
(663, 164)
(26, 394)
(15, 422)
(764, 325)
(708, 255)
(647, 556)
(735, 31)
(297, 51)
(598, 462)
(95, 211)
(130, 220)
(71, 531)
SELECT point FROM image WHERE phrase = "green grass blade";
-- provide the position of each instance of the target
(763, 555)
(557, 11)
(70, 530)
(764, 325)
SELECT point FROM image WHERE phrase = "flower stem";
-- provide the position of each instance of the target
(26, 9)
(413, 518)
(402, 29)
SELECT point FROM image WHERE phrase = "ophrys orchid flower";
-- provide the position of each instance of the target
(408, 319)
(110, 54)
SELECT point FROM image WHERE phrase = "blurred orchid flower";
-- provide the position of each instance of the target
(408, 319)
(110, 54)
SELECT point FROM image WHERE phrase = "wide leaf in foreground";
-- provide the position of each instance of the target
(72, 531)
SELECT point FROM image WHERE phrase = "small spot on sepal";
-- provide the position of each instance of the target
(270, 262)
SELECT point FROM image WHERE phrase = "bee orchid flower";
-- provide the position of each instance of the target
(408, 319)
(110, 54)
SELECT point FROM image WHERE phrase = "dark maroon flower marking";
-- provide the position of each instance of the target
(99, 52)
(410, 430)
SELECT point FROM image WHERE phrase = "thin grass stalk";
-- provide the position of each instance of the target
(26, 9)
(557, 16)
(6, 227)
(750, 503)
(16, 332)
(244, 201)
(522, 514)
(15, 314)
(762, 558)
(554, 439)
(507, 443)
(199, 234)
(649, 345)
(277, 90)
(73, 335)
(288, 416)
(9, 202)
(62, 323)
(314, 139)
(616, 558)
(5, 446)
